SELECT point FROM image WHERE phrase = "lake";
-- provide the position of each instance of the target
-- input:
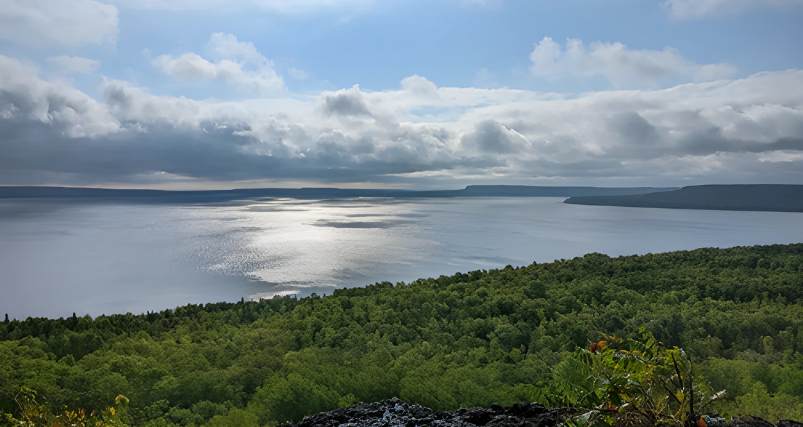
(57, 258)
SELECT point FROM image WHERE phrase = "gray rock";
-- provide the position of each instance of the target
(396, 413)
(748, 421)
(714, 421)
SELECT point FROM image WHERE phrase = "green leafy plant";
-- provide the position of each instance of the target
(642, 382)
(36, 414)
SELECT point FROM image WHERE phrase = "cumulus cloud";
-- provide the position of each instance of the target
(58, 22)
(189, 66)
(67, 112)
(236, 63)
(621, 66)
(720, 130)
(491, 137)
(420, 87)
(346, 103)
(690, 9)
(73, 64)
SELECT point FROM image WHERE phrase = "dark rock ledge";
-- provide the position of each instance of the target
(396, 413)
(748, 421)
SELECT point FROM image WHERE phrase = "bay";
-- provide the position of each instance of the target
(57, 258)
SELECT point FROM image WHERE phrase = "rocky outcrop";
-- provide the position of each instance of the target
(396, 413)
(748, 421)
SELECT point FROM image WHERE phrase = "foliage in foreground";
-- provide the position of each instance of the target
(640, 382)
(35, 414)
(473, 339)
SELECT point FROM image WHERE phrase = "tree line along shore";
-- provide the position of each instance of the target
(466, 340)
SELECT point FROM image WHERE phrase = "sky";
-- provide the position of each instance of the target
(213, 94)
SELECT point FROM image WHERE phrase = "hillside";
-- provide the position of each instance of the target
(774, 198)
(467, 340)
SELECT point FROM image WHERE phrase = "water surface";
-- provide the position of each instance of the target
(59, 258)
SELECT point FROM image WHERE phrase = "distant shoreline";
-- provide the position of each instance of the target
(759, 198)
(218, 196)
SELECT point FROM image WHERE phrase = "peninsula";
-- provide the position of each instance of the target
(766, 197)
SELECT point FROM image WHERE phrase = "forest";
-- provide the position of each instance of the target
(471, 339)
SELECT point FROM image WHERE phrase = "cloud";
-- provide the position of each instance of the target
(24, 98)
(692, 9)
(58, 22)
(346, 103)
(621, 66)
(420, 87)
(73, 64)
(236, 63)
(491, 137)
(189, 66)
(744, 130)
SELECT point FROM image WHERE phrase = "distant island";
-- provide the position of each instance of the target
(217, 196)
(766, 197)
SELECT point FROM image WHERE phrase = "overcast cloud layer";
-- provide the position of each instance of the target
(51, 132)
(664, 120)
